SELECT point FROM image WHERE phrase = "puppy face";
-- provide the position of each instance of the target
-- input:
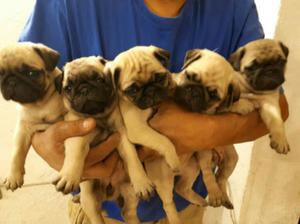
(25, 71)
(85, 87)
(205, 83)
(142, 76)
(262, 62)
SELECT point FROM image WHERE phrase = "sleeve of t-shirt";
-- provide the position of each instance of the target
(47, 24)
(247, 26)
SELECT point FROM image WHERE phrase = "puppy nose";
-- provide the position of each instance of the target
(84, 91)
(150, 91)
(11, 83)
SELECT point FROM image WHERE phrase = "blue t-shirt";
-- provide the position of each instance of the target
(78, 28)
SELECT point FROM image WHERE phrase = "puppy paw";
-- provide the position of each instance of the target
(280, 144)
(215, 198)
(76, 198)
(67, 182)
(226, 202)
(191, 196)
(243, 107)
(14, 180)
(144, 189)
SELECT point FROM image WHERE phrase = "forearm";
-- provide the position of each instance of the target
(193, 131)
(232, 128)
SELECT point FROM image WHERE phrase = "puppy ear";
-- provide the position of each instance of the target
(233, 95)
(191, 56)
(163, 56)
(171, 84)
(49, 56)
(236, 57)
(58, 82)
(284, 48)
(102, 61)
(114, 74)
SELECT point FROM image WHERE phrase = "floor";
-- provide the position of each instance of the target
(32, 205)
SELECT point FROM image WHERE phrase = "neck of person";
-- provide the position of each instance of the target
(165, 8)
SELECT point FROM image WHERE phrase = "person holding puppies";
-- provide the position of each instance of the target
(107, 28)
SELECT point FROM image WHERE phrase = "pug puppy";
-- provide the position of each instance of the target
(89, 92)
(261, 71)
(27, 75)
(143, 82)
(205, 84)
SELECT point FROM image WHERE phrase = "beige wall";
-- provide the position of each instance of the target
(39, 205)
(273, 187)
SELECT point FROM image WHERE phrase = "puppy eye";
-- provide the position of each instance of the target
(213, 94)
(33, 73)
(250, 68)
(68, 88)
(190, 77)
(131, 90)
(160, 77)
(99, 80)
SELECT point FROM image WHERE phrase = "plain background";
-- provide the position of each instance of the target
(265, 186)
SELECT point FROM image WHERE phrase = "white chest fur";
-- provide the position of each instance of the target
(48, 112)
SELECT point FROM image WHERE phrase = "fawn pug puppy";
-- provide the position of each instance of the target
(143, 82)
(261, 71)
(27, 74)
(89, 92)
(205, 84)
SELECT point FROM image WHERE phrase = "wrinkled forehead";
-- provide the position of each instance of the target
(212, 70)
(16, 58)
(81, 69)
(264, 50)
(210, 63)
(137, 65)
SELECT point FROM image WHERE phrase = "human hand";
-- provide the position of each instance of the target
(50, 146)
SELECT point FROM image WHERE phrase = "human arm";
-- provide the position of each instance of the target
(192, 131)
(100, 161)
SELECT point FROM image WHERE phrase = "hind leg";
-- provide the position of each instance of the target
(130, 204)
(225, 170)
(90, 203)
(184, 186)
(163, 178)
(214, 192)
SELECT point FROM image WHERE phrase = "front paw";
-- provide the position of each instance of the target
(14, 181)
(244, 107)
(216, 198)
(280, 144)
(173, 161)
(67, 182)
(143, 188)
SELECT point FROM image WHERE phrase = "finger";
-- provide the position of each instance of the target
(102, 169)
(101, 151)
(112, 160)
(66, 129)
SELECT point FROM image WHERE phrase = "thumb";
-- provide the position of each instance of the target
(66, 129)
